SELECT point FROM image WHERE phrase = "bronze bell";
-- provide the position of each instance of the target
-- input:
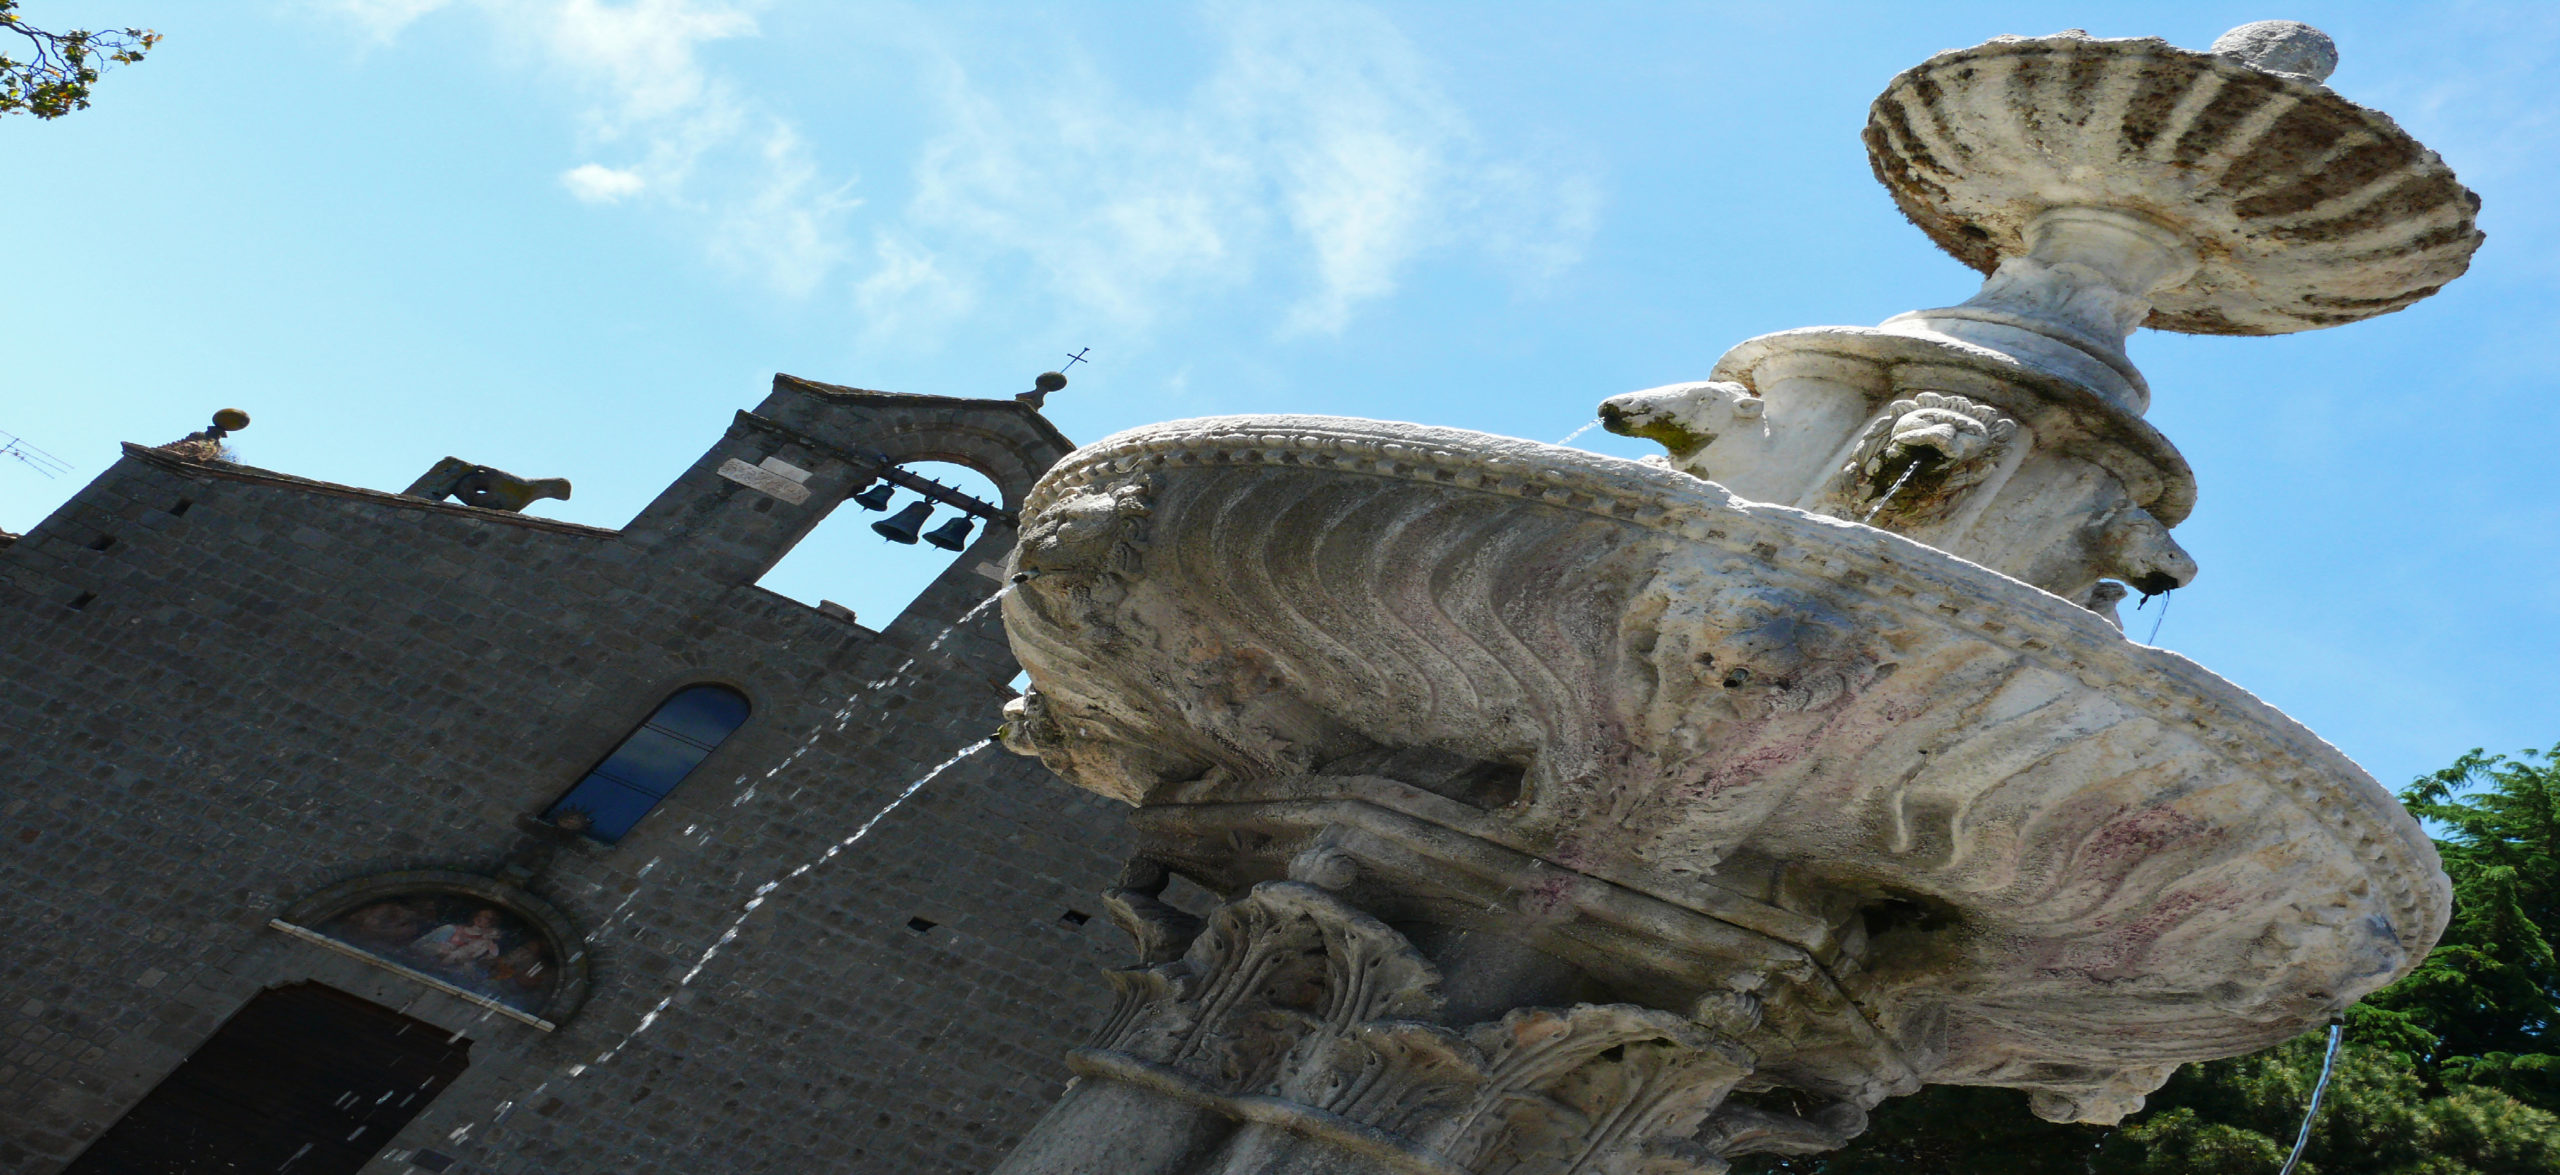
(952, 535)
(875, 498)
(902, 526)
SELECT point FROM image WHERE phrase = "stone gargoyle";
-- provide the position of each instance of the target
(489, 489)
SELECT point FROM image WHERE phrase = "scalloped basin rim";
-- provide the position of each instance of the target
(2264, 269)
(2336, 794)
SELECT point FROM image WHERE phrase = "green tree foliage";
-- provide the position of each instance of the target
(2454, 1070)
(53, 76)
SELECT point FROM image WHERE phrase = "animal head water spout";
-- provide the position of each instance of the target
(1683, 418)
(1937, 436)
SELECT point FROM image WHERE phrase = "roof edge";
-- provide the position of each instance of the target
(782, 381)
(243, 473)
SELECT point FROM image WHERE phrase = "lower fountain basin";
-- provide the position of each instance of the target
(2032, 852)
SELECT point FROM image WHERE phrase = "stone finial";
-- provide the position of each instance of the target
(2287, 47)
(205, 444)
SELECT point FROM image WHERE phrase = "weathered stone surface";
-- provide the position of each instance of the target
(2309, 210)
(1297, 1033)
(2008, 835)
(2102, 185)
(2287, 47)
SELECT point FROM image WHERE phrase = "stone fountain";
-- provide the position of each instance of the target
(1573, 814)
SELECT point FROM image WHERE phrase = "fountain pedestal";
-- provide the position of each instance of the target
(1569, 814)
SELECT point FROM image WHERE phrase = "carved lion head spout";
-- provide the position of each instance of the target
(2125, 543)
(1916, 461)
(1940, 435)
(1090, 532)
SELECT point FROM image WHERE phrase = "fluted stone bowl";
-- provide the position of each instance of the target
(2099, 859)
(2307, 209)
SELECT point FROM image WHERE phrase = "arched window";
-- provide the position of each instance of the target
(619, 791)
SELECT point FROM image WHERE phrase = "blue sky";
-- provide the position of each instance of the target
(570, 237)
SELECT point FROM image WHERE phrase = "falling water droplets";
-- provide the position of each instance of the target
(749, 784)
(1587, 426)
(765, 890)
(2156, 618)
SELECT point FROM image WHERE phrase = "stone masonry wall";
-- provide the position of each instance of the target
(222, 690)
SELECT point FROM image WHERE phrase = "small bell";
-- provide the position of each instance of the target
(902, 526)
(952, 535)
(875, 498)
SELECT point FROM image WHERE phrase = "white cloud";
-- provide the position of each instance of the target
(907, 289)
(1318, 153)
(598, 184)
(784, 222)
(677, 135)
(642, 57)
(1318, 156)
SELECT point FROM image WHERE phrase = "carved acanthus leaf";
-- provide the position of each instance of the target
(1749, 1130)
(1282, 963)
(1396, 1075)
(1590, 1088)
(1161, 931)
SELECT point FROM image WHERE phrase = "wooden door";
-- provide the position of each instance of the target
(302, 1080)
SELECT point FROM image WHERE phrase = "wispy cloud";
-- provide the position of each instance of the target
(597, 184)
(1315, 163)
(1319, 152)
(660, 126)
(381, 20)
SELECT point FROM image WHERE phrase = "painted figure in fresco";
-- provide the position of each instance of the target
(460, 939)
(458, 946)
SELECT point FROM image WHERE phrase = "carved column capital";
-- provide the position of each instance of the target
(1316, 1028)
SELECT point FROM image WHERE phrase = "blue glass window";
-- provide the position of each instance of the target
(650, 763)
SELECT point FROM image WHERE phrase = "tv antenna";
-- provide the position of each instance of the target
(15, 446)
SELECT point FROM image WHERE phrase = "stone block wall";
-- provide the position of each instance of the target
(223, 690)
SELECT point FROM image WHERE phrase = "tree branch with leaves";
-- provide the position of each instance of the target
(50, 75)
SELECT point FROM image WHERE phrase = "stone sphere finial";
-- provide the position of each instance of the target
(2281, 46)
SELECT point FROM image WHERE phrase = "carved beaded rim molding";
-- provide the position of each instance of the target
(1917, 580)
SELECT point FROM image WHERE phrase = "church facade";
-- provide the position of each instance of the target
(352, 830)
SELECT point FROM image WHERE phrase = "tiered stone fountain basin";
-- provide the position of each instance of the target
(1576, 815)
(1565, 701)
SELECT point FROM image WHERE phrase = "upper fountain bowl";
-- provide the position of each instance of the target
(2304, 210)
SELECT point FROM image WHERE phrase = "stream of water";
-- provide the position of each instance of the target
(1587, 426)
(749, 784)
(765, 891)
(2157, 617)
(1887, 499)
